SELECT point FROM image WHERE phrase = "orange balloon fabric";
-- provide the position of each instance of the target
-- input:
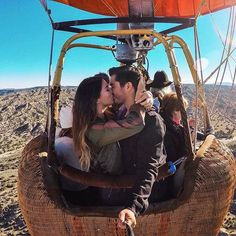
(165, 8)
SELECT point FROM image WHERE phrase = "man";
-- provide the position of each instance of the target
(159, 87)
(144, 98)
(142, 153)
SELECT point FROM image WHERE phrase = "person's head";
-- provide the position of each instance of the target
(160, 83)
(124, 86)
(93, 94)
(171, 106)
(159, 93)
(103, 76)
(115, 70)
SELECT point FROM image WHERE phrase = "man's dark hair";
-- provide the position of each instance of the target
(124, 77)
(103, 76)
(116, 70)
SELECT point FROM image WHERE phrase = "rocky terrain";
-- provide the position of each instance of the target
(23, 116)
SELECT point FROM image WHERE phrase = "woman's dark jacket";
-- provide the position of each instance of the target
(175, 148)
(174, 139)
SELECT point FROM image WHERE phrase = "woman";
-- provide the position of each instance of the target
(174, 140)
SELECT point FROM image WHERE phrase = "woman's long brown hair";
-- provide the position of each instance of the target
(84, 113)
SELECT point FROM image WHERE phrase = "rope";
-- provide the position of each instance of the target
(198, 50)
(109, 7)
(229, 103)
(49, 80)
(217, 31)
(44, 4)
(119, 9)
(147, 63)
(202, 3)
(48, 11)
(214, 71)
(198, 59)
(233, 22)
(196, 91)
(225, 43)
(201, 72)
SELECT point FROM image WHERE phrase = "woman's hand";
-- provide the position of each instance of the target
(126, 216)
(145, 99)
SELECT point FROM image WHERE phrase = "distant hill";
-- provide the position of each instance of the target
(6, 91)
(23, 116)
(23, 112)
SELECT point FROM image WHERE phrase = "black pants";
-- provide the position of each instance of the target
(87, 197)
(118, 197)
(93, 196)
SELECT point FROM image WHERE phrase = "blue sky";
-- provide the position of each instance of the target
(25, 42)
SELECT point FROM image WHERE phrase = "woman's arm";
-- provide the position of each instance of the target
(105, 133)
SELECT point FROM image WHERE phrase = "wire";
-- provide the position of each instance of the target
(224, 49)
(147, 63)
(196, 91)
(217, 30)
(198, 51)
(230, 101)
(48, 11)
(110, 8)
(233, 22)
(215, 70)
(44, 4)
(202, 3)
(113, 53)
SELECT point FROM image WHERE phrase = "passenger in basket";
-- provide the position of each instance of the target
(174, 141)
(174, 137)
(159, 87)
(142, 153)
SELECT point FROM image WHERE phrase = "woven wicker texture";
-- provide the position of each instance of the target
(199, 210)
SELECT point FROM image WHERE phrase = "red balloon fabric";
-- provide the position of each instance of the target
(165, 8)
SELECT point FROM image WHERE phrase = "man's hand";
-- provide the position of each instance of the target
(126, 216)
(145, 99)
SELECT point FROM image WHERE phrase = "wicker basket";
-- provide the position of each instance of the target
(199, 210)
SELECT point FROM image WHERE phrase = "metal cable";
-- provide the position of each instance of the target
(48, 11)
(197, 58)
(109, 7)
(201, 72)
(217, 31)
(233, 22)
(196, 90)
(229, 103)
(224, 49)
(215, 70)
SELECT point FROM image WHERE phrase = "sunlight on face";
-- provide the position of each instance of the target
(117, 91)
(106, 98)
(176, 117)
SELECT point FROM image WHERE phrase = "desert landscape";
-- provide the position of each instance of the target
(23, 117)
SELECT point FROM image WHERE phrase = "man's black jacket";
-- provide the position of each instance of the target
(142, 154)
